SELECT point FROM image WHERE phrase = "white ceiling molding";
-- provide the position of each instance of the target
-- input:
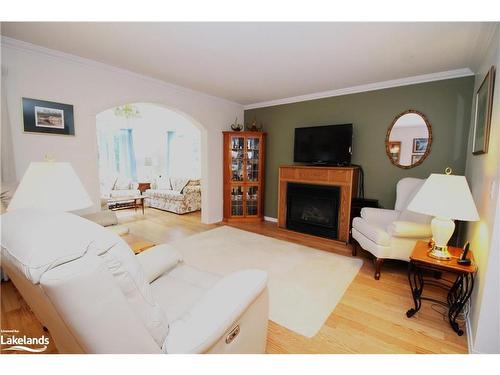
(34, 48)
(457, 73)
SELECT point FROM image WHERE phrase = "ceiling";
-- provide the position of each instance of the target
(255, 62)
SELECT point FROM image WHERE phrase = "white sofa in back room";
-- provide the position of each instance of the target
(119, 186)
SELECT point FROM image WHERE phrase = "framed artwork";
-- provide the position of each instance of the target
(482, 121)
(41, 116)
(420, 145)
(415, 158)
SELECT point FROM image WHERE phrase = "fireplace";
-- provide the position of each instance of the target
(313, 209)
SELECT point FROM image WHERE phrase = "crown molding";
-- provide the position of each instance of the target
(34, 48)
(457, 73)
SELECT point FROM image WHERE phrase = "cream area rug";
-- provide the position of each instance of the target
(305, 284)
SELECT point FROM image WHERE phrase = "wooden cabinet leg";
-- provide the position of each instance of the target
(378, 265)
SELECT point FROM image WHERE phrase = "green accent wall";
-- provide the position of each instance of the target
(447, 104)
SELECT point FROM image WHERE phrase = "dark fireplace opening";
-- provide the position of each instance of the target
(313, 209)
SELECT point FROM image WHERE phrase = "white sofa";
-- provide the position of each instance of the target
(119, 186)
(94, 295)
(392, 234)
(178, 195)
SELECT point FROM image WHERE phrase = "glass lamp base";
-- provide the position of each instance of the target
(439, 252)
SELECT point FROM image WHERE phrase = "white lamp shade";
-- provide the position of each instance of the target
(445, 196)
(50, 185)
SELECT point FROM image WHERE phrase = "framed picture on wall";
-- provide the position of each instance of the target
(482, 121)
(415, 158)
(41, 116)
(420, 145)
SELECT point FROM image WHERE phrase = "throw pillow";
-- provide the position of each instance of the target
(163, 183)
(130, 278)
(178, 184)
(122, 183)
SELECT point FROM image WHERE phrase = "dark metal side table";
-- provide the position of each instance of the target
(459, 291)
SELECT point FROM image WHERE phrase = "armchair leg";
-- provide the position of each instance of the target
(354, 247)
(378, 265)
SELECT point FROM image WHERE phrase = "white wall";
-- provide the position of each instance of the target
(91, 87)
(483, 175)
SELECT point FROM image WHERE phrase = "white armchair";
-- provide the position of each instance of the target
(391, 234)
(94, 295)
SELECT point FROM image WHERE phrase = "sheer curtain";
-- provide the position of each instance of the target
(116, 154)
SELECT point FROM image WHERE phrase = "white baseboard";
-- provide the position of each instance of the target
(470, 344)
(271, 219)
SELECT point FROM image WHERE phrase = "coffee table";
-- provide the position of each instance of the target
(120, 203)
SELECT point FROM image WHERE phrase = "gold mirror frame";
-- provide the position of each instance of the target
(429, 144)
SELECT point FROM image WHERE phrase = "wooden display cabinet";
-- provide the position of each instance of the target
(244, 156)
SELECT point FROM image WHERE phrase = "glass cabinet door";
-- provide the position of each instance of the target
(237, 158)
(252, 201)
(237, 201)
(252, 159)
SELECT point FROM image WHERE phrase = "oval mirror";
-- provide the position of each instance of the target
(408, 140)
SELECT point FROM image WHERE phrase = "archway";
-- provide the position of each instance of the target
(144, 141)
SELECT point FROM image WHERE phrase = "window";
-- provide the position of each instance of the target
(116, 153)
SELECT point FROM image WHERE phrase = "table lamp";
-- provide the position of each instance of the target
(52, 186)
(446, 197)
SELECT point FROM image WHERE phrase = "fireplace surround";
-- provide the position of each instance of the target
(345, 179)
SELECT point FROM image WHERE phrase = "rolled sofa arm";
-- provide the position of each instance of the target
(379, 214)
(409, 229)
(215, 312)
(191, 190)
(158, 260)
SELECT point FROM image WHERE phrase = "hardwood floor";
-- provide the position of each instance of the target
(370, 318)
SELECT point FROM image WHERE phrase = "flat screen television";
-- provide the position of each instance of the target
(330, 144)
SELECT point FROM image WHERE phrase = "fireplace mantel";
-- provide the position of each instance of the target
(344, 177)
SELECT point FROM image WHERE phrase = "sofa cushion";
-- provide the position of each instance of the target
(407, 215)
(178, 183)
(372, 231)
(165, 194)
(125, 193)
(185, 285)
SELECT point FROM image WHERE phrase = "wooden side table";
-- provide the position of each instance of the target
(459, 291)
(143, 186)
